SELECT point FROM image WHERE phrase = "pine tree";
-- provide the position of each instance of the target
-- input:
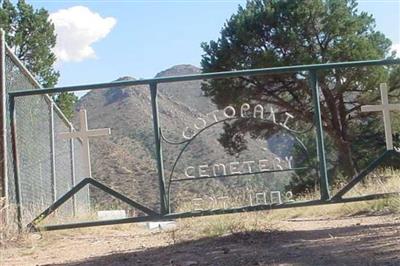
(270, 33)
(31, 36)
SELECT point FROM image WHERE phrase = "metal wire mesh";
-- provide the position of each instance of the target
(63, 164)
(35, 154)
(48, 167)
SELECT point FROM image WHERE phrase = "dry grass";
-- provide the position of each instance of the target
(220, 225)
(193, 229)
(380, 182)
(9, 233)
(11, 236)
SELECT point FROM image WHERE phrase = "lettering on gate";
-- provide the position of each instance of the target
(230, 112)
(237, 168)
(217, 169)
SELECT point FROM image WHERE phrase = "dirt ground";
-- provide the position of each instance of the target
(361, 240)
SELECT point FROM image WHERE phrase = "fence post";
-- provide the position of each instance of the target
(53, 153)
(160, 167)
(3, 130)
(73, 177)
(13, 123)
(323, 173)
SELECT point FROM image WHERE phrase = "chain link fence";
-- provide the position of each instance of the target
(48, 165)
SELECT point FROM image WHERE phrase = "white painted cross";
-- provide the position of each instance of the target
(385, 107)
(84, 134)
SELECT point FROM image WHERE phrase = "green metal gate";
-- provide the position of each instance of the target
(161, 141)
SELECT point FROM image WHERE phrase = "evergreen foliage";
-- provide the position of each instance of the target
(66, 101)
(270, 33)
(31, 36)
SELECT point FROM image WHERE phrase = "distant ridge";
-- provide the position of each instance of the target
(179, 70)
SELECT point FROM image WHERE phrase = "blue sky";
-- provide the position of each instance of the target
(104, 40)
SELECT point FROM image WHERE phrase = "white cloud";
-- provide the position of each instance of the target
(77, 29)
(396, 47)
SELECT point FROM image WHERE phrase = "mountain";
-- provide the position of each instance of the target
(187, 93)
(126, 159)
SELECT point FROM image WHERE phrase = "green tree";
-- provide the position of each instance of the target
(274, 33)
(31, 36)
(66, 101)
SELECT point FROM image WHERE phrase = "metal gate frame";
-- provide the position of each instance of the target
(165, 214)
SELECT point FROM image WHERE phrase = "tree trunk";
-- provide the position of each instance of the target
(345, 159)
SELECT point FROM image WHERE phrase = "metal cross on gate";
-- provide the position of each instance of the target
(385, 107)
(84, 134)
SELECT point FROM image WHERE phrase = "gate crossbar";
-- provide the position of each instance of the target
(77, 188)
(214, 75)
(183, 215)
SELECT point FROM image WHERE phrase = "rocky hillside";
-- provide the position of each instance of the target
(126, 159)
